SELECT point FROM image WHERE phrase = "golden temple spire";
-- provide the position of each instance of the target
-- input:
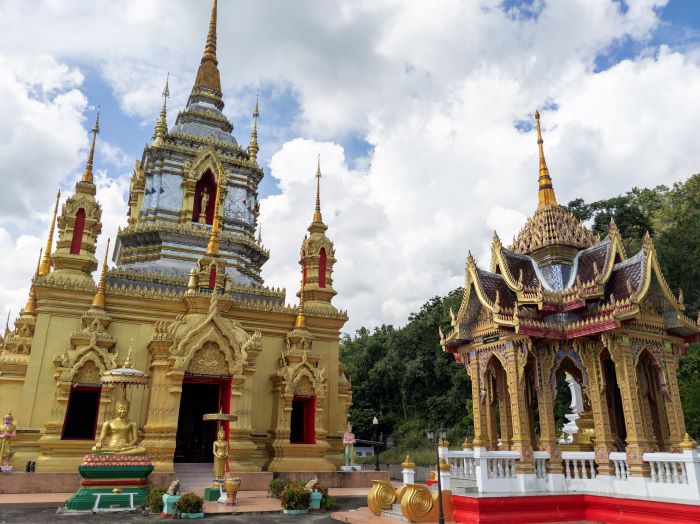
(7, 323)
(98, 301)
(45, 266)
(253, 146)
(213, 246)
(317, 211)
(87, 174)
(208, 73)
(30, 308)
(546, 195)
(161, 129)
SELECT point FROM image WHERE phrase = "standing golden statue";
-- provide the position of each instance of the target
(203, 207)
(121, 434)
(7, 433)
(221, 450)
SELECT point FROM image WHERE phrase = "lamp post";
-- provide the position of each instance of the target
(375, 423)
(435, 437)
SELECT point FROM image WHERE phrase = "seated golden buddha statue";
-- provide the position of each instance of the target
(119, 435)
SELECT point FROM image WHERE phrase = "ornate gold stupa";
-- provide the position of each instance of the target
(187, 288)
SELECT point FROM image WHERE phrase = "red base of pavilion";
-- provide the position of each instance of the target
(572, 507)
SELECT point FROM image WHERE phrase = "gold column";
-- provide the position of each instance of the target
(674, 409)
(516, 359)
(163, 407)
(504, 414)
(638, 438)
(242, 446)
(604, 441)
(472, 365)
(490, 413)
(545, 404)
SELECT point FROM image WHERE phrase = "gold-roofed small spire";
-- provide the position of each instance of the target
(127, 362)
(208, 73)
(87, 174)
(253, 147)
(546, 196)
(45, 266)
(161, 129)
(7, 323)
(98, 301)
(213, 246)
(30, 308)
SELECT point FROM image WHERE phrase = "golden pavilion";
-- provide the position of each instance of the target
(560, 301)
(186, 300)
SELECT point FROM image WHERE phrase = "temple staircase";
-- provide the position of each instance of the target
(462, 485)
(395, 513)
(194, 476)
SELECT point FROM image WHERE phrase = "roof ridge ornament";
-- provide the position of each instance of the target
(87, 174)
(161, 129)
(45, 267)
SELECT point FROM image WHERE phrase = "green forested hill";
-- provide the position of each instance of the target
(401, 373)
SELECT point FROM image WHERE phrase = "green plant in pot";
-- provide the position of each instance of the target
(295, 499)
(189, 506)
(276, 487)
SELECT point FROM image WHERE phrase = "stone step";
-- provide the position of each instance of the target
(395, 513)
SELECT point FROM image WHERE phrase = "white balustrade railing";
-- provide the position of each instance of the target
(462, 463)
(619, 460)
(579, 465)
(501, 464)
(667, 468)
(541, 458)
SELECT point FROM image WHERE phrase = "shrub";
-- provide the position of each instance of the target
(154, 499)
(189, 503)
(277, 486)
(327, 502)
(295, 496)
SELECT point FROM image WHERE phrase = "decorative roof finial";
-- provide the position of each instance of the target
(213, 246)
(7, 323)
(87, 174)
(253, 146)
(161, 129)
(300, 322)
(260, 233)
(546, 195)
(45, 266)
(317, 212)
(30, 308)
(98, 301)
(208, 74)
(127, 362)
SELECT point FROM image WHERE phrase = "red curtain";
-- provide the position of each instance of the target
(310, 420)
(212, 277)
(322, 268)
(78, 230)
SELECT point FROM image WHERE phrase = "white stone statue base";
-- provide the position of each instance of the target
(350, 468)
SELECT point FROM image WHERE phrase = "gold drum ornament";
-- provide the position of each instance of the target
(416, 502)
(381, 496)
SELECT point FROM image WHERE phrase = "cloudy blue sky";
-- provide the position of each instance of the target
(421, 112)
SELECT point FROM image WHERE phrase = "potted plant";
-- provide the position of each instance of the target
(276, 487)
(295, 499)
(189, 506)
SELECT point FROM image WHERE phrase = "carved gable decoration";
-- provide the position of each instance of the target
(88, 373)
(209, 360)
(192, 333)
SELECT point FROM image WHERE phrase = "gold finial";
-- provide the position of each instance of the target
(688, 442)
(546, 195)
(408, 463)
(300, 322)
(87, 174)
(253, 146)
(444, 465)
(127, 362)
(213, 247)
(98, 300)
(30, 308)
(208, 74)
(45, 266)
(317, 212)
(7, 323)
(161, 129)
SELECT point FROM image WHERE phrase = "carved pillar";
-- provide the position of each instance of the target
(638, 438)
(516, 359)
(490, 413)
(595, 390)
(545, 404)
(241, 444)
(478, 400)
(163, 404)
(504, 414)
(674, 409)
